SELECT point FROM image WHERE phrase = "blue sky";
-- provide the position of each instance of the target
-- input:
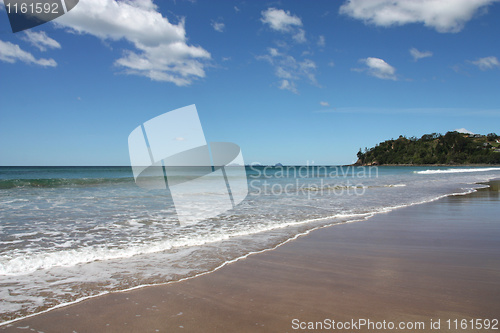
(288, 81)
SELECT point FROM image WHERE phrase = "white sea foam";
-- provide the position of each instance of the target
(458, 170)
(14, 201)
(31, 262)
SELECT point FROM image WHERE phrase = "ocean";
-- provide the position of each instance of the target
(70, 233)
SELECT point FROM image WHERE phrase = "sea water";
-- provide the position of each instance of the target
(69, 233)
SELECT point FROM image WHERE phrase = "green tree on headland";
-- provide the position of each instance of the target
(452, 148)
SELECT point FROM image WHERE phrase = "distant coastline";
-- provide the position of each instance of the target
(451, 149)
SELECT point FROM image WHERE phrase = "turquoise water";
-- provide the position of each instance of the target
(62, 228)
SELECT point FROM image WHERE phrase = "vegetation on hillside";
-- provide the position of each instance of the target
(451, 148)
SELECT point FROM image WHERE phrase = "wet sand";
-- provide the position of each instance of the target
(436, 261)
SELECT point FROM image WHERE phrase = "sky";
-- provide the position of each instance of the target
(291, 82)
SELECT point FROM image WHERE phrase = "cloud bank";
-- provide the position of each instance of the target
(40, 40)
(487, 63)
(11, 53)
(442, 15)
(160, 52)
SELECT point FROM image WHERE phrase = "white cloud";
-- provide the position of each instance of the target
(236, 9)
(307, 68)
(331, 64)
(300, 36)
(416, 54)
(11, 53)
(143, 4)
(288, 85)
(289, 70)
(40, 40)
(321, 41)
(218, 26)
(161, 50)
(379, 68)
(442, 15)
(283, 73)
(273, 52)
(286, 67)
(463, 130)
(487, 63)
(324, 103)
(283, 21)
(280, 20)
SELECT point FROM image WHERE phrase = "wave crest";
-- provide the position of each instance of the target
(431, 172)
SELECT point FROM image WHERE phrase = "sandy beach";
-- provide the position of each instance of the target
(427, 263)
(249, 166)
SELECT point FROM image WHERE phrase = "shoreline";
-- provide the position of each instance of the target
(359, 218)
(238, 264)
(354, 218)
(428, 165)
